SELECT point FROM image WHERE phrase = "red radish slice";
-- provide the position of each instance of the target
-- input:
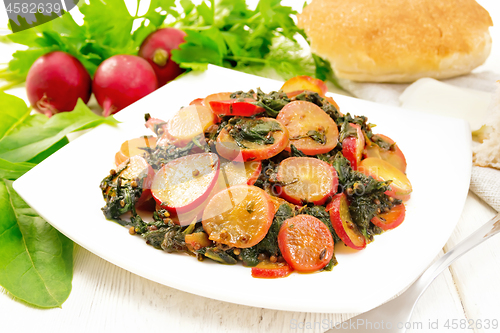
(236, 107)
(391, 219)
(237, 173)
(197, 240)
(311, 130)
(353, 146)
(254, 151)
(332, 101)
(305, 243)
(342, 223)
(188, 123)
(269, 270)
(223, 96)
(304, 82)
(306, 179)
(183, 184)
(198, 101)
(141, 172)
(382, 171)
(133, 147)
(394, 155)
(239, 216)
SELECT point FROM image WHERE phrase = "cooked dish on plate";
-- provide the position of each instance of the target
(273, 180)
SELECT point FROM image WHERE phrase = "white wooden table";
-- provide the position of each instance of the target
(106, 298)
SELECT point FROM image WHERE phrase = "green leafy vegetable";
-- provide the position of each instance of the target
(36, 264)
(366, 196)
(269, 245)
(252, 130)
(322, 102)
(37, 261)
(225, 33)
(10, 170)
(38, 133)
(319, 136)
(272, 102)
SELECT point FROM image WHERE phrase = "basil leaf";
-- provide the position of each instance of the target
(9, 170)
(36, 265)
(37, 134)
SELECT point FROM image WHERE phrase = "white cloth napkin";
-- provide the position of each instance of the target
(485, 182)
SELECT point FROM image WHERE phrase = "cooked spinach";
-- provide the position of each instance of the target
(365, 194)
(272, 102)
(319, 136)
(347, 130)
(161, 155)
(269, 245)
(252, 130)
(119, 194)
(320, 101)
(382, 143)
(294, 152)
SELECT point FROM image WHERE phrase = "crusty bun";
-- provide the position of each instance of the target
(398, 40)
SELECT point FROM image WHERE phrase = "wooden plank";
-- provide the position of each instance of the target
(477, 273)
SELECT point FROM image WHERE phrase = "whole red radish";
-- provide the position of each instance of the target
(121, 80)
(156, 50)
(55, 82)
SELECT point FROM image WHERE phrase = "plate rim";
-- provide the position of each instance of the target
(21, 183)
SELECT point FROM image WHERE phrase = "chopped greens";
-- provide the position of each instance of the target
(272, 102)
(366, 196)
(252, 130)
(269, 245)
(319, 136)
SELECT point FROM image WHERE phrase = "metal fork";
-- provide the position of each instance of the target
(393, 315)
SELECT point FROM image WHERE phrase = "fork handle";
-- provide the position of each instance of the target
(486, 231)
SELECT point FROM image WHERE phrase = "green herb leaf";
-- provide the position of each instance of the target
(200, 48)
(38, 133)
(12, 171)
(36, 265)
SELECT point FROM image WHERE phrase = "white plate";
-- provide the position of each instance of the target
(64, 189)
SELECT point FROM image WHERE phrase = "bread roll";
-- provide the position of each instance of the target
(398, 40)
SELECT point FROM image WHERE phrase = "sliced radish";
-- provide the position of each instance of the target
(239, 216)
(310, 129)
(382, 171)
(253, 151)
(394, 155)
(391, 219)
(237, 173)
(236, 107)
(141, 172)
(353, 146)
(188, 123)
(306, 179)
(269, 270)
(223, 96)
(342, 223)
(185, 183)
(133, 147)
(305, 243)
(303, 82)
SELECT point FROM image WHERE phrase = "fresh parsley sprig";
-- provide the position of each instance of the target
(226, 33)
